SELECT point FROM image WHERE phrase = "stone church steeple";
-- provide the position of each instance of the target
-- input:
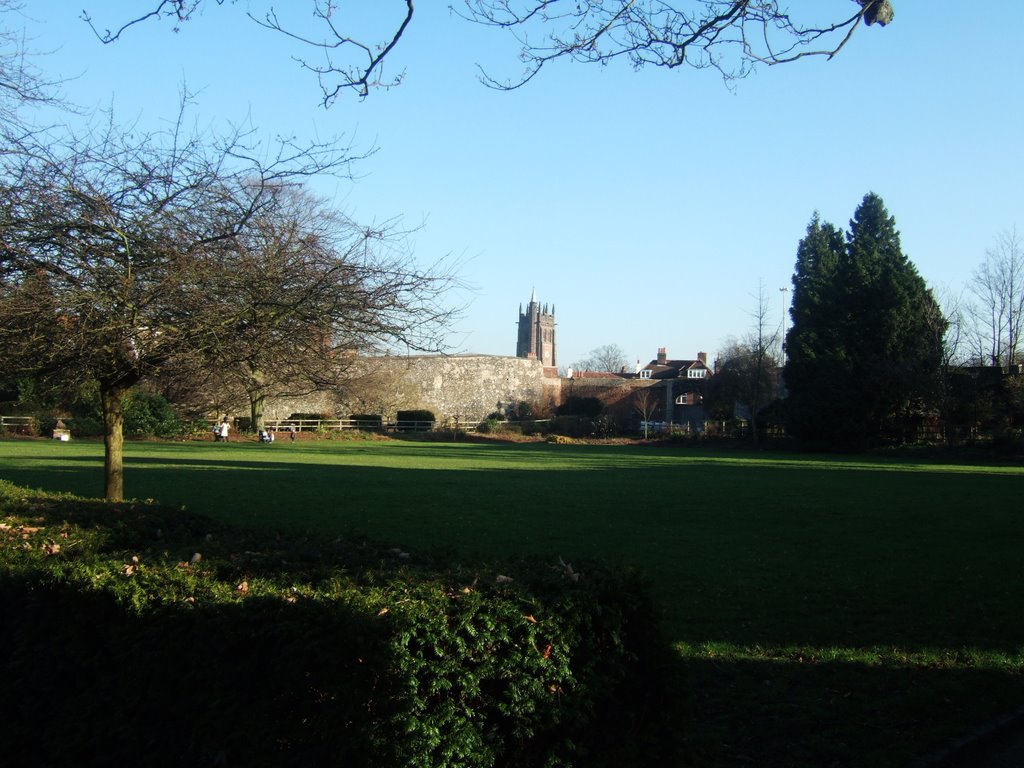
(537, 332)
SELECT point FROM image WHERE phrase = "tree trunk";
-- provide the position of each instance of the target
(112, 396)
(256, 402)
(257, 397)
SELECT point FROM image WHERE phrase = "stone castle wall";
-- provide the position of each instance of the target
(469, 387)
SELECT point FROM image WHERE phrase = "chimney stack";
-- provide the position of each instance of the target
(703, 357)
(662, 355)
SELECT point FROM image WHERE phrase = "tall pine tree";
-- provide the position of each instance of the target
(863, 357)
(815, 372)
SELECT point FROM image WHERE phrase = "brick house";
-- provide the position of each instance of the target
(685, 382)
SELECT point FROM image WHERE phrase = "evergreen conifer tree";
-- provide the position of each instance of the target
(862, 355)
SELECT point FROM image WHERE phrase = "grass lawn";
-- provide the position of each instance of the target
(838, 611)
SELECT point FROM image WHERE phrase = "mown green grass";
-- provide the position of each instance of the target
(827, 610)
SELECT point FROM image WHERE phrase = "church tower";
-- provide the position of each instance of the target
(537, 332)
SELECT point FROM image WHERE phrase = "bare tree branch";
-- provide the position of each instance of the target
(336, 74)
(21, 83)
(730, 36)
(359, 78)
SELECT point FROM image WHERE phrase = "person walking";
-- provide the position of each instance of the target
(224, 429)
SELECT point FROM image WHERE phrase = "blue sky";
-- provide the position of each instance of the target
(646, 206)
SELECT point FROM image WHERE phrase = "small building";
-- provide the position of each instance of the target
(685, 382)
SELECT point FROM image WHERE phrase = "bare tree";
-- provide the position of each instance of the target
(646, 402)
(951, 335)
(748, 369)
(997, 309)
(103, 238)
(302, 290)
(731, 36)
(609, 357)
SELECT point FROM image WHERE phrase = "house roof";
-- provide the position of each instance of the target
(596, 375)
(674, 369)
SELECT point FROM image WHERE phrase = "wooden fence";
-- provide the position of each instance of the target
(21, 424)
(369, 425)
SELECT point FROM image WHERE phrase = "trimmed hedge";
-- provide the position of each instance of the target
(426, 421)
(121, 644)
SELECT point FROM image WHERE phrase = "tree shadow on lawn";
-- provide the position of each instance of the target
(822, 565)
(794, 714)
(787, 711)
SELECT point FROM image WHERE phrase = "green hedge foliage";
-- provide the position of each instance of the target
(426, 419)
(143, 634)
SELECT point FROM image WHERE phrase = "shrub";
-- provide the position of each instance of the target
(524, 411)
(489, 426)
(85, 426)
(426, 418)
(573, 426)
(149, 415)
(284, 652)
(44, 426)
(603, 426)
(560, 440)
(533, 427)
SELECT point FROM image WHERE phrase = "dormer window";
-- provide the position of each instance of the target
(696, 373)
(645, 373)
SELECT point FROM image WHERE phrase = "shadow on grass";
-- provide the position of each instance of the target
(784, 712)
(277, 680)
(738, 556)
(833, 714)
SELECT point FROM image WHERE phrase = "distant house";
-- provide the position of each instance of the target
(685, 382)
(663, 368)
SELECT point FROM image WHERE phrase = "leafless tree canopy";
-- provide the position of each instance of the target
(609, 357)
(731, 36)
(105, 242)
(302, 290)
(997, 303)
(22, 83)
(342, 57)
